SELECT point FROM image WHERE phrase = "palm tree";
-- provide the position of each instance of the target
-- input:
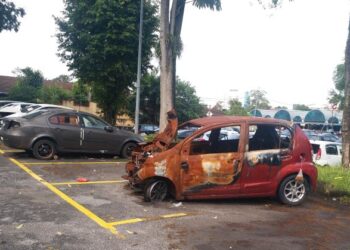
(170, 45)
(346, 111)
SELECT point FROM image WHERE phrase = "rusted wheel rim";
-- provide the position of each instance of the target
(158, 191)
(294, 191)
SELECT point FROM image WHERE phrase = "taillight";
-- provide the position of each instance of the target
(319, 153)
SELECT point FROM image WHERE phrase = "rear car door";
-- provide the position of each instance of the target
(333, 154)
(269, 148)
(211, 167)
(95, 137)
(66, 130)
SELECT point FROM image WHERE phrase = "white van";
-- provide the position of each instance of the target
(326, 153)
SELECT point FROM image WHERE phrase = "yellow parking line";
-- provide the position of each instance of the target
(12, 151)
(1, 152)
(137, 220)
(70, 201)
(71, 162)
(86, 183)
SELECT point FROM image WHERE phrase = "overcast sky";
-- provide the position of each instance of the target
(289, 52)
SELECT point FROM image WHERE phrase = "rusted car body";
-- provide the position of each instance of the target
(265, 159)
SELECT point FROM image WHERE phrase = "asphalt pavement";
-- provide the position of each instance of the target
(81, 202)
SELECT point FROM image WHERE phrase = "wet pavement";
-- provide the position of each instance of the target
(44, 207)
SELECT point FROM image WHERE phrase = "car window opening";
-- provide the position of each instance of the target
(218, 140)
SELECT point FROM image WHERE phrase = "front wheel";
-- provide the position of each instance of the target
(44, 149)
(156, 191)
(292, 192)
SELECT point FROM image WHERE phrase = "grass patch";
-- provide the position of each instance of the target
(334, 181)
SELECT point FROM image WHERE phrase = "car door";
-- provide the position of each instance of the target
(211, 167)
(95, 137)
(67, 131)
(333, 156)
(267, 150)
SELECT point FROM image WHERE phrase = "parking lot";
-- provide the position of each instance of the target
(81, 202)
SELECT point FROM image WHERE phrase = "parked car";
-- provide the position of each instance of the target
(148, 129)
(326, 153)
(5, 102)
(258, 162)
(48, 132)
(328, 137)
(36, 107)
(13, 108)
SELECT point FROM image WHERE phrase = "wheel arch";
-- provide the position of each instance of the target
(171, 185)
(42, 137)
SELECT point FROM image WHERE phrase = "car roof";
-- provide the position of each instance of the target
(325, 142)
(212, 120)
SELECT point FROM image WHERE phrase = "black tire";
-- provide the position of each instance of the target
(156, 190)
(127, 149)
(292, 193)
(44, 149)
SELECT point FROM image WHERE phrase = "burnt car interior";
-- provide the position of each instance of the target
(266, 136)
(215, 141)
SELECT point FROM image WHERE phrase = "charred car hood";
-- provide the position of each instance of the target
(163, 140)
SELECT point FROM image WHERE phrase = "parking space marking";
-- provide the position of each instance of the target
(2, 152)
(72, 162)
(12, 151)
(69, 200)
(87, 183)
(137, 220)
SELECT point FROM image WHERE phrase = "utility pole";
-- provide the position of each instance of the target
(138, 84)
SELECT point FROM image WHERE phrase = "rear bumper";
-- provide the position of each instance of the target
(15, 141)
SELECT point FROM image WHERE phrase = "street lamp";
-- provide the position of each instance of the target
(137, 108)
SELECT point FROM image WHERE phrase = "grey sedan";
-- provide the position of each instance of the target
(46, 133)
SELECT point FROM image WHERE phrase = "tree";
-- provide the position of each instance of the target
(280, 107)
(27, 88)
(62, 79)
(99, 39)
(188, 105)
(80, 94)
(53, 95)
(236, 108)
(301, 107)
(336, 96)
(9, 15)
(170, 42)
(258, 100)
(346, 111)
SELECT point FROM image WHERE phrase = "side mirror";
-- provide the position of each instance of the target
(109, 129)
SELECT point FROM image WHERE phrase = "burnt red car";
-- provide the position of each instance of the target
(262, 158)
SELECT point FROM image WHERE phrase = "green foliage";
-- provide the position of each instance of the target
(334, 180)
(258, 100)
(99, 42)
(211, 4)
(53, 95)
(187, 103)
(62, 79)
(236, 108)
(23, 92)
(30, 77)
(301, 107)
(27, 88)
(9, 15)
(336, 96)
(80, 94)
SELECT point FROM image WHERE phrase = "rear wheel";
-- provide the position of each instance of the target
(127, 149)
(44, 149)
(292, 192)
(156, 190)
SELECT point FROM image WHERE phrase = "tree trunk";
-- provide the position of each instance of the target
(170, 29)
(109, 115)
(166, 65)
(346, 111)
